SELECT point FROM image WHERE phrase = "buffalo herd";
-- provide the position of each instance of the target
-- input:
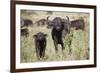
(24, 24)
(57, 25)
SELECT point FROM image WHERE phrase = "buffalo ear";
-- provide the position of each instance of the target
(34, 36)
(45, 35)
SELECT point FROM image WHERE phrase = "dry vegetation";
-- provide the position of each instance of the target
(79, 45)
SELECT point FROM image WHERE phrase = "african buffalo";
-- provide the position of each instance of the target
(26, 22)
(78, 24)
(58, 26)
(57, 30)
(41, 22)
(24, 32)
(40, 44)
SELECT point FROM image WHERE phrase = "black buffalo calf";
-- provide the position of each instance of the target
(40, 44)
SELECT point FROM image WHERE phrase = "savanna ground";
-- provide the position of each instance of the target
(79, 45)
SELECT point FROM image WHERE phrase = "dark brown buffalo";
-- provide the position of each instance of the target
(41, 22)
(78, 24)
(26, 22)
(24, 32)
(40, 44)
(58, 26)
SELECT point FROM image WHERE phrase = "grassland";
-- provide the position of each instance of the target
(80, 40)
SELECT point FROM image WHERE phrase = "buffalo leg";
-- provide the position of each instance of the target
(40, 53)
(43, 53)
(55, 44)
(62, 44)
(37, 54)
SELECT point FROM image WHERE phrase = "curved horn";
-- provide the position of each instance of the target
(68, 18)
(48, 17)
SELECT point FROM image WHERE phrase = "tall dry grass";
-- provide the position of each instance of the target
(79, 42)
